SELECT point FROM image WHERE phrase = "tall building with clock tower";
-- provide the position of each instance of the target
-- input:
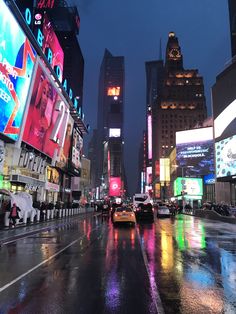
(180, 105)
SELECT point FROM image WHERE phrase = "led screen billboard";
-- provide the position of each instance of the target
(48, 115)
(191, 186)
(225, 122)
(226, 157)
(113, 91)
(113, 132)
(76, 153)
(164, 169)
(195, 151)
(149, 123)
(51, 42)
(115, 186)
(63, 158)
(17, 58)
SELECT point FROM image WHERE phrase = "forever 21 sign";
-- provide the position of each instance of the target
(32, 162)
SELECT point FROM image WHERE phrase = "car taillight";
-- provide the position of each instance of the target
(132, 214)
(116, 215)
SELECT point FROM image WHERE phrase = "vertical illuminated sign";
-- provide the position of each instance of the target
(142, 182)
(115, 186)
(164, 169)
(149, 175)
(149, 136)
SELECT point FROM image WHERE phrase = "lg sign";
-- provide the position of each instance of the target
(115, 186)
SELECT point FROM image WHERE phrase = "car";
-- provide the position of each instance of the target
(163, 211)
(124, 215)
(145, 212)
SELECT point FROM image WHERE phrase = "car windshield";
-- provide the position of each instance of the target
(140, 199)
(121, 209)
(163, 207)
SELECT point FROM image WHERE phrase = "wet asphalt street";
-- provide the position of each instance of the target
(175, 265)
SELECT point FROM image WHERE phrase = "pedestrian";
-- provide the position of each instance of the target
(14, 214)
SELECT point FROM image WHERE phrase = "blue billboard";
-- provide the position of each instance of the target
(17, 58)
(195, 151)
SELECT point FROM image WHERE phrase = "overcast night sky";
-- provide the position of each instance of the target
(133, 29)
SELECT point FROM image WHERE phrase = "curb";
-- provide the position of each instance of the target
(40, 229)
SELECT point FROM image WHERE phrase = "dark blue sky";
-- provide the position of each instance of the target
(133, 28)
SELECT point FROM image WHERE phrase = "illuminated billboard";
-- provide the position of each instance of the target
(76, 154)
(164, 169)
(114, 132)
(51, 42)
(17, 58)
(195, 148)
(149, 123)
(149, 175)
(63, 158)
(191, 186)
(48, 115)
(115, 186)
(113, 91)
(226, 157)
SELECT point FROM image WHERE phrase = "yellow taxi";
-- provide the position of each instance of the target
(124, 215)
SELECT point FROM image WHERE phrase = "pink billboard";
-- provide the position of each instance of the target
(50, 41)
(115, 186)
(47, 117)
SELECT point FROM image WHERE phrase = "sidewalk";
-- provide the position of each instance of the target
(8, 235)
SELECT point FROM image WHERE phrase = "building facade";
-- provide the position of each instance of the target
(42, 131)
(232, 21)
(109, 164)
(179, 105)
(224, 114)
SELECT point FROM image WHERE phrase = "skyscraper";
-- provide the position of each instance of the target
(180, 104)
(109, 167)
(232, 17)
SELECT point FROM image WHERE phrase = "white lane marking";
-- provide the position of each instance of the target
(40, 264)
(154, 291)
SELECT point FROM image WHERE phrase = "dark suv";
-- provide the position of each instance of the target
(145, 212)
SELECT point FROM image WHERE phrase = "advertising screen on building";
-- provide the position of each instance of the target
(149, 123)
(51, 42)
(114, 186)
(225, 122)
(195, 151)
(191, 186)
(17, 58)
(226, 157)
(114, 132)
(64, 155)
(77, 150)
(149, 175)
(113, 91)
(164, 169)
(48, 116)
